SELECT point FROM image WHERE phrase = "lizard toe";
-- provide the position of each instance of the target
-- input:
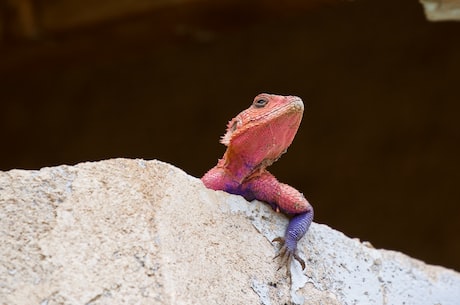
(287, 255)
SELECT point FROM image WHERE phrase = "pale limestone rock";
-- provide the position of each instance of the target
(144, 232)
(441, 10)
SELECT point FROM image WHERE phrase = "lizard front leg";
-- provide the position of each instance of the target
(265, 187)
(282, 197)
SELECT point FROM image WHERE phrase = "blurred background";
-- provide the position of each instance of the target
(376, 154)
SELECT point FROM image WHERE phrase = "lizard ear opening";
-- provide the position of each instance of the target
(231, 128)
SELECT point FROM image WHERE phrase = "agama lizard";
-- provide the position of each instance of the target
(255, 139)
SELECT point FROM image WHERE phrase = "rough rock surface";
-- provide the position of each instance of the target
(441, 10)
(144, 232)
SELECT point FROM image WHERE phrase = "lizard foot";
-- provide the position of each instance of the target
(287, 255)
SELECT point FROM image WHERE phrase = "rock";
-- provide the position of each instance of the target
(441, 10)
(144, 232)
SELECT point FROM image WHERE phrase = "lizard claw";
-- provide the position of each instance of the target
(287, 255)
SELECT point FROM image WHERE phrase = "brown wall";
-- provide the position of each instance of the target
(377, 153)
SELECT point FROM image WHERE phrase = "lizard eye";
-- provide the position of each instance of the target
(260, 103)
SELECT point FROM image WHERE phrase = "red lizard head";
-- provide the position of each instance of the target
(259, 135)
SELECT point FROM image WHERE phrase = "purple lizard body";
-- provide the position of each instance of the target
(255, 139)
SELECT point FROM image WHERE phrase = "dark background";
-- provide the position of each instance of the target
(377, 151)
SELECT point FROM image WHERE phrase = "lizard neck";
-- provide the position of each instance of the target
(238, 166)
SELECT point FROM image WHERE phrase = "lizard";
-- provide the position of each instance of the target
(255, 139)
